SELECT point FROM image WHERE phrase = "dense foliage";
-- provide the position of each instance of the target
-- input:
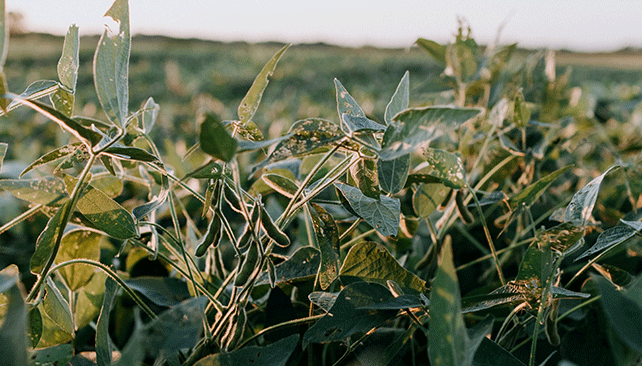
(457, 228)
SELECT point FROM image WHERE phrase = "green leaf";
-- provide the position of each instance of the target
(345, 319)
(36, 90)
(610, 238)
(74, 245)
(111, 65)
(530, 194)
(490, 353)
(437, 51)
(521, 113)
(446, 166)
(305, 137)
(104, 344)
(49, 191)
(68, 63)
(322, 299)
(157, 201)
(580, 208)
(151, 110)
(63, 101)
(57, 307)
(327, 234)
(623, 314)
(303, 265)
(361, 124)
(281, 184)
(131, 153)
(56, 355)
(52, 156)
(416, 127)
(13, 333)
(46, 240)
(405, 301)
(428, 197)
(365, 175)
(89, 300)
(3, 153)
(381, 214)
(175, 329)
(400, 99)
(371, 262)
(162, 291)
(563, 238)
(211, 170)
(346, 104)
(215, 140)
(393, 173)
(275, 354)
(105, 213)
(251, 101)
(449, 347)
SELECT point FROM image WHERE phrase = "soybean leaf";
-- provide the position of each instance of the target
(490, 353)
(215, 140)
(415, 127)
(34, 327)
(36, 90)
(509, 293)
(530, 194)
(428, 197)
(437, 51)
(447, 167)
(104, 344)
(211, 170)
(322, 299)
(13, 333)
(68, 63)
(49, 191)
(400, 99)
(144, 209)
(492, 197)
(360, 124)
(564, 238)
(623, 314)
(131, 153)
(3, 152)
(305, 136)
(281, 184)
(162, 291)
(303, 265)
(151, 110)
(89, 300)
(446, 320)
(106, 214)
(345, 318)
(364, 173)
(609, 238)
(74, 245)
(381, 214)
(60, 354)
(562, 293)
(327, 234)
(580, 208)
(346, 104)
(57, 307)
(251, 101)
(46, 240)
(393, 173)
(56, 154)
(175, 329)
(275, 354)
(370, 261)
(111, 65)
(405, 301)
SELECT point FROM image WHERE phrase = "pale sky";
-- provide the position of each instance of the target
(584, 25)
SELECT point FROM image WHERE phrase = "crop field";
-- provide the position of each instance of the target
(187, 202)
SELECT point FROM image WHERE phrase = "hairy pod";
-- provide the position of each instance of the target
(461, 207)
(235, 329)
(273, 231)
(212, 237)
(245, 238)
(233, 200)
(247, 265)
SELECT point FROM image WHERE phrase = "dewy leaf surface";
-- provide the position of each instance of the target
(580, 208)
(327, 234)
(381, 214)
(415, 127)
(371, 262)
(111, 65)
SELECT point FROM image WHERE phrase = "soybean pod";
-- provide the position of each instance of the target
(273, 231)
(212, 237)
(247, 265)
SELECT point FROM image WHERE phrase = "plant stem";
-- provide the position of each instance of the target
(23, 216)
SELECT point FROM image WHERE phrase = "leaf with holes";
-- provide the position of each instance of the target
(447, 167)
(365, 175)
(381, 214)
(49, 191)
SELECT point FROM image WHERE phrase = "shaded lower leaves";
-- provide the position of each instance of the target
(275, 354)
(301, 266)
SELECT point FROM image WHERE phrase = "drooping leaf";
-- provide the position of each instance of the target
(74, 245)
(215, 140)
(609, 238)
(530, 194)
(13, 333)
(400, 99)
(364, 173)
(580, 208)
(48, 191)
(46, 240)
(428, 197)
(303, 265)
(437, 51)
(89, 300)
(175, 329)
(327, 234)
(371, 262)
(157, 201)
(381, 214)
(162, 291)
(251, 101)
(57, 307)
(105, 213)
(104, 344)
(447, 167)
(345, 318)
(624, 315)
(131, 153)
(393, 173)
(111, 65)
(415, 127)
(275, 354)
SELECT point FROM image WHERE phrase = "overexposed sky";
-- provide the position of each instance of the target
(584, 25)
